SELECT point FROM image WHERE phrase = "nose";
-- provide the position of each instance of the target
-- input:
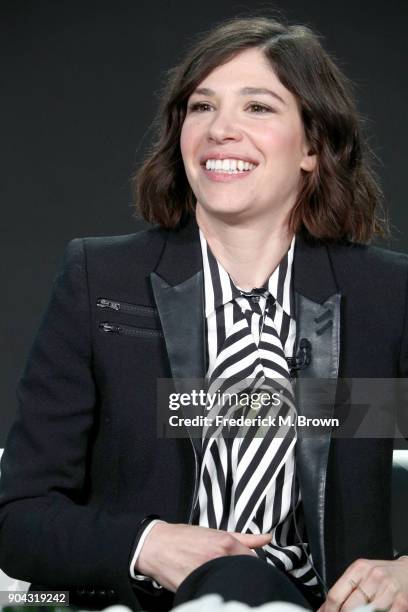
(223, 127)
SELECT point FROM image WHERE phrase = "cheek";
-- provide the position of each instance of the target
(189, 137)
(184, 142)
(281, 143)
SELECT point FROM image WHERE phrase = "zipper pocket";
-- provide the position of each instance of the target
(128, 330)
(106, 303)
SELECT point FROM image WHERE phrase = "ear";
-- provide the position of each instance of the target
(309, 161)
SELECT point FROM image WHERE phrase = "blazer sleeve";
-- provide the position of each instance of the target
(402, 413)
(47, 533)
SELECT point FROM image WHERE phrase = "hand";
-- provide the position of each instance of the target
(171, 552)
(383, 584)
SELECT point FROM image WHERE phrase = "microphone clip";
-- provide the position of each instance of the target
(303, 357)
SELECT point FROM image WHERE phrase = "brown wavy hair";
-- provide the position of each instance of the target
(340, 199)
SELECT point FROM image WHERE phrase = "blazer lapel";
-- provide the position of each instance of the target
(177, 285)
(181, 313)
(317, 302)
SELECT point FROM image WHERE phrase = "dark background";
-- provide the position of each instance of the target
(80, 83)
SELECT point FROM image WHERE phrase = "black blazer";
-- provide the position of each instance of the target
(83, 464)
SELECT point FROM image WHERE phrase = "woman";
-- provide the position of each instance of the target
(261, 188)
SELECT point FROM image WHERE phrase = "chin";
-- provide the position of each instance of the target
(228, 211)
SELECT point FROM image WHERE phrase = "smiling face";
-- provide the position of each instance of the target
(243, 142)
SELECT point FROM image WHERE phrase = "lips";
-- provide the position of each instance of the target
(227, 175)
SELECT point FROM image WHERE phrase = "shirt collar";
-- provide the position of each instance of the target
(220, 289)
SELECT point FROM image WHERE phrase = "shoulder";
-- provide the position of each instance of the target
(119, 250)
(373, 279)
(119, 244)
(113, 266)
(361, 260)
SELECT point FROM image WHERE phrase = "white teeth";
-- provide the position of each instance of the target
(229, 165)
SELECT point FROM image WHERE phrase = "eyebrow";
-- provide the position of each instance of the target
(245, 91)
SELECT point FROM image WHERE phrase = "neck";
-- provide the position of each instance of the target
(249, 251)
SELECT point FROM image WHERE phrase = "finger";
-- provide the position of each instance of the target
(384, 599)
(345, 585)
(249, 552)
(370, 589)
(400, 603)
(355, 600)
(376, 588)
(253, 540)
(338, 595)
(363, 594)
(241, 549)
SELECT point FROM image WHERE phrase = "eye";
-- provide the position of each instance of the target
(198, 107)
(257, 108)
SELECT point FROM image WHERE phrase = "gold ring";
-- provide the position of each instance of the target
(367, 598)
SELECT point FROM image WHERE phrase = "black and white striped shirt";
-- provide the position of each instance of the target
(223, 302)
